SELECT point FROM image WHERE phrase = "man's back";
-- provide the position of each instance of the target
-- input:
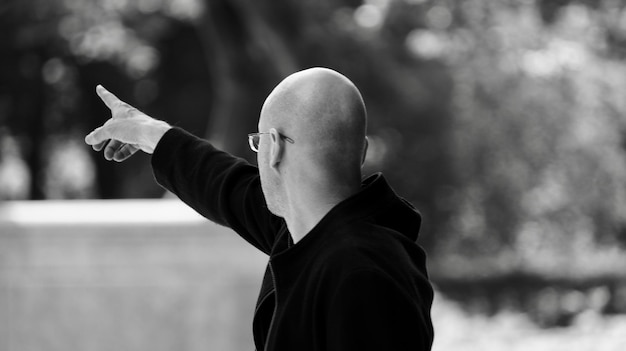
(354, 284)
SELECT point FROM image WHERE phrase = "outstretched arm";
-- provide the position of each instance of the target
(219, 186)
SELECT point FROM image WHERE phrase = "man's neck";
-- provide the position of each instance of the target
(307, 208)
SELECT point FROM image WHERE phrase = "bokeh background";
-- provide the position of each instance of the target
(503, 121)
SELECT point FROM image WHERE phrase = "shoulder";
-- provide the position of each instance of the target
(366, 250)
(363, 246)
(369, 238)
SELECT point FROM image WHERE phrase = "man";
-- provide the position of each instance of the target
(344, 270)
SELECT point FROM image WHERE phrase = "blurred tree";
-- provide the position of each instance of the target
(22, 57)
(501, 120)
(538, 124)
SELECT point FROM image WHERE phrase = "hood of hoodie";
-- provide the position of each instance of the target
(389, 209)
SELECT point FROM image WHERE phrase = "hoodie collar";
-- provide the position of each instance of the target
(376, 201)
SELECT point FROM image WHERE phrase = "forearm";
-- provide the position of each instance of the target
(221, 187)
(194, 170)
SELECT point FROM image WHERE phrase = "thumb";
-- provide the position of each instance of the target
(97, 136)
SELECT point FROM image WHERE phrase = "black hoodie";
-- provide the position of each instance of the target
(356, 281)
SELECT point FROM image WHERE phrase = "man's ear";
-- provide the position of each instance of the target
(367, 143)
(276, 148)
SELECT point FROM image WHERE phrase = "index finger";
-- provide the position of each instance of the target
(107, 97)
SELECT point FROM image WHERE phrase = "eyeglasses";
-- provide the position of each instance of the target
(255, 138)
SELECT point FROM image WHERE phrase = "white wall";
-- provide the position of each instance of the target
(123, 275)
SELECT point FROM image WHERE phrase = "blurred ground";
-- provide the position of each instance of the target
(457, 329)
(152, 275)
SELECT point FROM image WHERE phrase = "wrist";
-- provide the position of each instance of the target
(156, 133)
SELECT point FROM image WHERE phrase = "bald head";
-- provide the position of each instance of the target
(324, 113)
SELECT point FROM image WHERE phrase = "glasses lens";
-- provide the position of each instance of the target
(253, 140)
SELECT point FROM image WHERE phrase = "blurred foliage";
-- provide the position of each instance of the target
(503, 121)
(538, 130)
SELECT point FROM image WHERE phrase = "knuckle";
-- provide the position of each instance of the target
(125, 109)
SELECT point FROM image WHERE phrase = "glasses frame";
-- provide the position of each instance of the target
(254, 145)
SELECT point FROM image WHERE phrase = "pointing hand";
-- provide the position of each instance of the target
(127, 131)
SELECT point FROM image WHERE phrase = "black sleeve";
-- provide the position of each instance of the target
(369, 311)
(219, 186)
